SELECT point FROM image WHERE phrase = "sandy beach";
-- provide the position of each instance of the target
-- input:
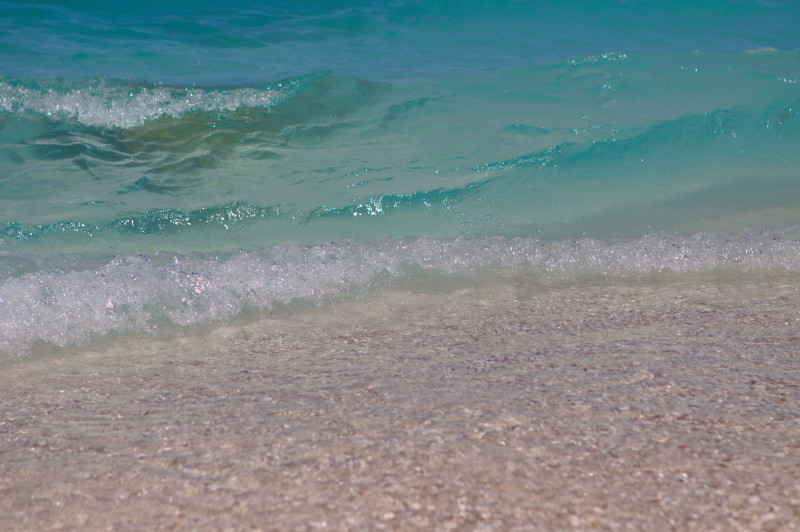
(660, 405)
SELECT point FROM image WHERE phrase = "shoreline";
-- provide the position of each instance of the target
(497, 407)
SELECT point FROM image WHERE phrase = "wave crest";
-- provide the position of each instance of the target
(103, 103)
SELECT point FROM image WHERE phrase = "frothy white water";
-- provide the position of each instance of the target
(100, 103)
(139, 293)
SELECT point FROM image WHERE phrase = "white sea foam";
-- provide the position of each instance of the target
(140, 293)
(104, 104)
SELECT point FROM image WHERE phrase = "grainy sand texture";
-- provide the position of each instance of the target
(660, 405)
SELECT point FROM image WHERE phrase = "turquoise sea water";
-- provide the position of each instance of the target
(178, 165)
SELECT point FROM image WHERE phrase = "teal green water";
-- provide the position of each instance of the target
(182, 165)
(602, 146)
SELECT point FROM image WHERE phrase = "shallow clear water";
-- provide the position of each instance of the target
(182, 164)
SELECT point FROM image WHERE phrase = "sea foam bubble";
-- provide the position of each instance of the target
(102, 103)
(139, 293)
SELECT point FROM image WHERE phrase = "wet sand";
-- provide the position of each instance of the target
(668, 405)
